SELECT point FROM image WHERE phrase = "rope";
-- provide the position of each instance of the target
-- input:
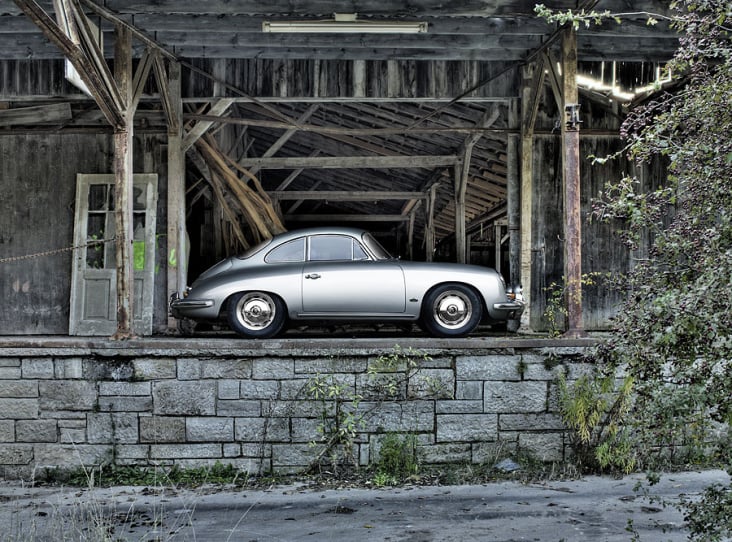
(56, 251)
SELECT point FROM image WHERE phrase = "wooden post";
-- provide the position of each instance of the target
(177, 249)
(123, 187)
(513, 181)
(533, 82)
(429, 236)
(461, 178)
(572, 208)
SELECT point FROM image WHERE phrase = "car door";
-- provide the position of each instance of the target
(340, 278)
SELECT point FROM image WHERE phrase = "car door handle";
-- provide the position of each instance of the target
(312, 276)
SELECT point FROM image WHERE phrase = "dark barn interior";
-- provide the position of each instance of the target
(446, 143)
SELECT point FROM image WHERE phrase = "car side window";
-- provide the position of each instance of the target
(292, 251)
(335, 247)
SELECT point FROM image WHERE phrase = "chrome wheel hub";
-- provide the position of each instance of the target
(452, 310)
(256, 311)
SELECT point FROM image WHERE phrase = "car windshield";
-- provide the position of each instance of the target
(379, 252)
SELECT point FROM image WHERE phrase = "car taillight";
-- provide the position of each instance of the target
(514, 293)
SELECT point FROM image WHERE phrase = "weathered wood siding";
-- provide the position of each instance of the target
(603, 253)
(38, 186)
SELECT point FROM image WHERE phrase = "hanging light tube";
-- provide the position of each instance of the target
(345, 23)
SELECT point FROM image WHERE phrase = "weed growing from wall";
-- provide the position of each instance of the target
(593, 408)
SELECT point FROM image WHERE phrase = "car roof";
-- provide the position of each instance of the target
(322, 230)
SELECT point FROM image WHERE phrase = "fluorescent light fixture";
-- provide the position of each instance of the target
(345, 23)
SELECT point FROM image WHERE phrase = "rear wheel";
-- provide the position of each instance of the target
(256, 315)
(451, 310)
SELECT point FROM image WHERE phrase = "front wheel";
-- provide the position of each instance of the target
(451, 310)
(256, 315)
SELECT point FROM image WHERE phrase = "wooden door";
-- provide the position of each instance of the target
(94, 271)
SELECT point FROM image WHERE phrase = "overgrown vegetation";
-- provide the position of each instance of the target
(594, 408)
(674, 333)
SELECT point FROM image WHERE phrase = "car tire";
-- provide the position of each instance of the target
(256, 315)
(451, 310)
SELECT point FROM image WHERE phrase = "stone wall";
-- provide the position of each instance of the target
(188, 403)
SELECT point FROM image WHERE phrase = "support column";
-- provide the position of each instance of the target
(123, 148)
(460, 189)
(177, 249)
(513, 182)
(533, 83)
(572, 207)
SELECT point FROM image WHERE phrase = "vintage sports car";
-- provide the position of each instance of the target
(327, 274)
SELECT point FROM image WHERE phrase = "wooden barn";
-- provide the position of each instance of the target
(141, 142)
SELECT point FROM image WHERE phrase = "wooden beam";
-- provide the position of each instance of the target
(353, 195)
(106, 100)
(351, 162)
(39, 114)
(284, 138)
(218, 108)
(348, 131)
(346, 218)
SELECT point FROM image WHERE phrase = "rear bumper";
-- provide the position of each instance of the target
(186, 307)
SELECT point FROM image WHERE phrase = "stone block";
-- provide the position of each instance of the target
(10, 362)
(543, 446)
(432, 384)
(67, 395)
(7, 431)
(18, 388)
(262, 430)
(154, 369)
(16, 454)
(125, 388)
(189, 369)
(269, 369)
(259, 389)
(226, 368)
(69, 456)
(71, 435)
(232, 450)
(469, 390)
(458, 407)
(41, 368)
(209, 429)
(162, 429)
(489, 367)
(131, 454)
(293, 389)
(70, 368)
(515, 397)
(99, 428)
(490, 453)
(238, 407)
(293, 455)
(115, 403)
(18, 409)
(186, 451)
(314, 366)
(467, 427)
(125, 427)
(306, 429)
(172, 398)
(121, 369)
(414, 416)
(36, 431)
(228, 389)
(530, 422)
(10, 373)
(445, 453)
